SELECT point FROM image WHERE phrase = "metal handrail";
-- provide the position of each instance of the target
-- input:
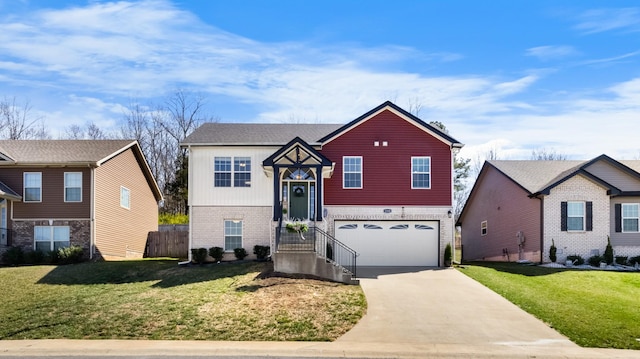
(320, 242)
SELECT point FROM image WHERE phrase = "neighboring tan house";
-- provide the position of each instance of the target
(517, 208)
(97, 194)
(380, 184)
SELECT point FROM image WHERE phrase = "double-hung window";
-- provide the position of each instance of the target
(51, 238)
(32, 187)
(73, 186)
(228, 172)
(232, 235)
(241, 172)
(352, 172)
(630, 217)
(575, 216)
(420, 172)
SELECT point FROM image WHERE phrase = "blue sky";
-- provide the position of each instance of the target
(509, 76)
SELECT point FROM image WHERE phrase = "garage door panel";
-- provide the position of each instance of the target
(391, 243)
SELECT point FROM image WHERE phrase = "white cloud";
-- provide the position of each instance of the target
(600, 20)
(547, 53)
(104, 52)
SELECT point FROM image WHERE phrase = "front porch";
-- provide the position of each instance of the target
(314, 252)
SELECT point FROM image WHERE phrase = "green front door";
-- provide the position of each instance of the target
(298, 200)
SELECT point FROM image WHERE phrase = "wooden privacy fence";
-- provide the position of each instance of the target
(174, 244)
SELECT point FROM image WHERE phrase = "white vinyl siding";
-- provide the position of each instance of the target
(73, 186)
(202, 190)
(32, 187)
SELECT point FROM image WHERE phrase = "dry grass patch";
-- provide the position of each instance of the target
(157, 299)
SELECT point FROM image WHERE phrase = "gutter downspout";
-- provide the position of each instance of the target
(541, 229)
(190, 201)
(92, 215)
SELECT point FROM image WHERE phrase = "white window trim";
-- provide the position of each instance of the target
(233, 172)
(344, 158)
(52, 236)
(484, 228)
(225, 234)
(584, 216)
(64, 194)
(622, 217)
(412, 171)
(128, 204)
(24, 187)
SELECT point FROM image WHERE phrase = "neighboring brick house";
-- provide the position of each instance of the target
(382, 184)
(97, 194)
(516, 209)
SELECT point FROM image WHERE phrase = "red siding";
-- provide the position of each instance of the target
(507, 209)
(387, 170)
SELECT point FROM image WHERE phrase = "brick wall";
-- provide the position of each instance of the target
(582, 243)
(208, 227)
(79, 233)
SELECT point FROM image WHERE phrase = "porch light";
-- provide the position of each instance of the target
(449, 214)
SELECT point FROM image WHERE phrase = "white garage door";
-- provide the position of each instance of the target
(391, 243)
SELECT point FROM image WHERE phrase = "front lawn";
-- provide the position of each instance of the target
(157, 299)
(592, 308)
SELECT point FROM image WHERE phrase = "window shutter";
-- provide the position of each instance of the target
(589, 218)
(618, 210)
(563, 216)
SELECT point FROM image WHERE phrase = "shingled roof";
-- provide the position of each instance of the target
(535, 175)
(36, 152)
(257, 134)
(71, 153)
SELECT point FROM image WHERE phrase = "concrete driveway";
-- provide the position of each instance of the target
(442, 306)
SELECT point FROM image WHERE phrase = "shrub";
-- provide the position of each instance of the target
(576, 259)
(621, 260)
(261, 252)
(552, 252)
(53, 257)
(68, 255)
(34, 257)
(595, 261)
(171, 218)
(13, 256)
(199, 255)
(447, 255)
(633, 260)
(216, 253)
(240, 253)
(608, 252)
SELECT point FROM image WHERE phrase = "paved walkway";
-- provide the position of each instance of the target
(413, 313)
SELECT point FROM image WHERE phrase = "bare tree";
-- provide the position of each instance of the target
(94, 132)
(547, 155)
(74, 132)
(159, 130)
(17, 122)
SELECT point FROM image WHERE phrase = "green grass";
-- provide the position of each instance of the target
(157, 299)
(592, 308)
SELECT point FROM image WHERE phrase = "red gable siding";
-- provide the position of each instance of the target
(386, 178)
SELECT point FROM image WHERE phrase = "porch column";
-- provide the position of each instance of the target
(277, 208)
(318, 193)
